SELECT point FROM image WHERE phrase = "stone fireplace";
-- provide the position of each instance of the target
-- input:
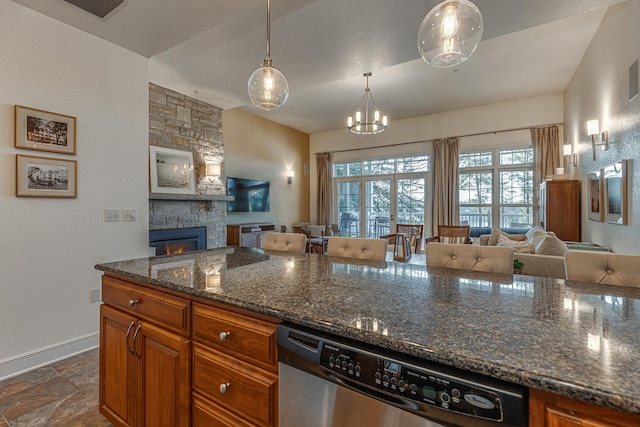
(183, 123)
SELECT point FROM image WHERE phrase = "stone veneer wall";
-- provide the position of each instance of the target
(183, 123)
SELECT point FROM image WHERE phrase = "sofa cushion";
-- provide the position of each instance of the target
(495, 233)
(541, 265)
(551, 245)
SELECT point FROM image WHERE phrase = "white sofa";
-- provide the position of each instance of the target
(540, 252)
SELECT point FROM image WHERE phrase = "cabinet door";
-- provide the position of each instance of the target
(551, 410)
(117, 366)
(164, 380)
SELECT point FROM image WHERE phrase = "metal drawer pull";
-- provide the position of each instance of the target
(127, 338)
(224, 388)
(132, 302)
(135, 337)
(224, 335)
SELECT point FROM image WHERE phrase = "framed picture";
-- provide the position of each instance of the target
(596, 212)
(45, 131)
(46, 177)
(171, 171)
(616, 192)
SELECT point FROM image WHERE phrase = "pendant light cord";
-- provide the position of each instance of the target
(268, 29)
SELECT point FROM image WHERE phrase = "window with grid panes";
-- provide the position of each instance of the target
(496, 188)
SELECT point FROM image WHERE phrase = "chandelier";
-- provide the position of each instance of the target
(450, 33)
(367, 122)
(268, 87)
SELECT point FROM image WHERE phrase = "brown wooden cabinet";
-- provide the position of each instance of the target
(145, 356)
(552, 410)
(249, 235)
(235, 369)
(560, 208)
(151, 356)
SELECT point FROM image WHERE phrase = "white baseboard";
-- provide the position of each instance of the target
(27, 361)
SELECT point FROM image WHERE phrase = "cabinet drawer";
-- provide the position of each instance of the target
(245, 337)
(251, 391)
(207, 414)
(170, 311)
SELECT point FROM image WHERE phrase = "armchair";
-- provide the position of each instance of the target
(452, 234)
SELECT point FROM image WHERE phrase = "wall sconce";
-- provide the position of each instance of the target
(569, 157)
(290, 178)
(593, 129)
(213, 169)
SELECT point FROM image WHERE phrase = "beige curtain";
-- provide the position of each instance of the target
(546, 157)
(445, 207)
(324, 162)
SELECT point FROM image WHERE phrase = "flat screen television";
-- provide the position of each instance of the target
(250, 195)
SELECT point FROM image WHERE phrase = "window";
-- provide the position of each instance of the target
(371, 196)
(496, 187)
(382, 166)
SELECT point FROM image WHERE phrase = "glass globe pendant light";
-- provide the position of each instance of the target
(268, 87)
(450, 33)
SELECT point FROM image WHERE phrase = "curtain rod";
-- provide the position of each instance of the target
(460, 136)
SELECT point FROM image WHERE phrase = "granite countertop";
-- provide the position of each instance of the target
(579, 340)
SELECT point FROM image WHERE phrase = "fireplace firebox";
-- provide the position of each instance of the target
(178, 240)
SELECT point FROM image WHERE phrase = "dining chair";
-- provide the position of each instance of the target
(459, 234)
(413, 232)
(315, 233)
(605, 268)
(285, 242)
(359, 248)
(489, 259)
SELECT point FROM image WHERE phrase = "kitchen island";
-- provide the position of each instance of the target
(573, 339)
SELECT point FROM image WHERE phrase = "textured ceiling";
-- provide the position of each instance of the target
(208, 49)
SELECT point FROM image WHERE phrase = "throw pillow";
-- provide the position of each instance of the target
(526, 249)
(551, 245)
(536, 237)
(536, 229)
(493, 238)
(505, 241)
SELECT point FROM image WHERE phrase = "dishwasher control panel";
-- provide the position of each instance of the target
(410, 382)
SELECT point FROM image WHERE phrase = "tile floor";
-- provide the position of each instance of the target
(63, 394)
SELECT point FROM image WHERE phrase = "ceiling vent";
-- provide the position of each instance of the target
(99, 8)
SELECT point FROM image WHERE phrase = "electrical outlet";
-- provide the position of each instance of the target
(112, 215)
(129, 215)
(94, 295)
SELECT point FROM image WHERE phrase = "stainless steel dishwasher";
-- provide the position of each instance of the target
(327, 381)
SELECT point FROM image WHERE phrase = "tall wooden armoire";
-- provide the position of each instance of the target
(560, 208)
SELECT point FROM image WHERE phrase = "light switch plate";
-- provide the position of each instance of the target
(129, 215)
(112, 215)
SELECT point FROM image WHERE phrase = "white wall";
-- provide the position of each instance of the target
(49, 246)
(599, 90)
(535, 111)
